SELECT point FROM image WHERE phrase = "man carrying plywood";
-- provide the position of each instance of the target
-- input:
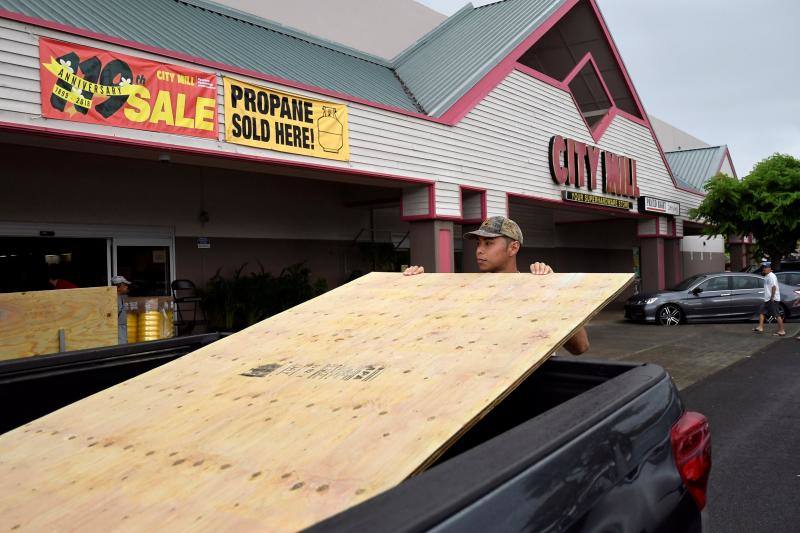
(499, 240)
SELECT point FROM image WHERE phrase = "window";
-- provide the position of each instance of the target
(789, 278)
(688, 282)
(590, 95)
(719, 283)
(747, 282)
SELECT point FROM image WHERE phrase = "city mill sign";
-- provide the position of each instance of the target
(588, 167)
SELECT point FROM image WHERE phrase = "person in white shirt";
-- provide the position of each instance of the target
(772, 298)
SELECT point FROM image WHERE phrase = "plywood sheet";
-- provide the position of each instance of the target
(298, 417)
(29, 321)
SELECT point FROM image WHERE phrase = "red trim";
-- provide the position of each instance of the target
(599, 128)
(632, 118)
(208, 63)
(533, 73)
(57, 133)
(727, 156)
(431, 206)
(561, 203)
(636, 98)
(484, 210)
(589, 58)
(465, 104)
(613, 46)
(432, 215)
(444, 251)
(657, 233)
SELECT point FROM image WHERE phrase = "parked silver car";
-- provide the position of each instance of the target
(718, 296)
(789, 278)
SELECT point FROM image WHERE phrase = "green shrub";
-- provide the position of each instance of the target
(231, 304)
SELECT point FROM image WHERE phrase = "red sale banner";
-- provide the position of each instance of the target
(85, 84)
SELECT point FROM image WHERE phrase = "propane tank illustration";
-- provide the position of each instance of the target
(330, 130)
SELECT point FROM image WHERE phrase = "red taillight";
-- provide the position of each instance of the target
(691, 446)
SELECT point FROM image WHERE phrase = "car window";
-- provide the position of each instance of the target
(747, 282)
(793, 278)
(688, 282)
(720, 283)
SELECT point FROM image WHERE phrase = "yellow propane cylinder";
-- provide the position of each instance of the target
(149, 326)
(133, 326)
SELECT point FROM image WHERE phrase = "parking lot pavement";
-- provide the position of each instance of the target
(753, 409)
(689, 352)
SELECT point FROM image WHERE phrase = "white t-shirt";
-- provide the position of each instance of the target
(770, 280)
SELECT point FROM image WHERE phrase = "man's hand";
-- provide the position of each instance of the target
(579, 342)
(414, 270)
(541, 269)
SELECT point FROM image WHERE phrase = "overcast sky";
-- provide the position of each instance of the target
(725, 71)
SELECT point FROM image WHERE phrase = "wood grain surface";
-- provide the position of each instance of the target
(298, 417)
(29, 321)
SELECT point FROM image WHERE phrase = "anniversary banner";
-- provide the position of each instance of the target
(84, 84)
(275, 120)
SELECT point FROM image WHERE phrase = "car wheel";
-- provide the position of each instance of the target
(670, 315)
(781, 312)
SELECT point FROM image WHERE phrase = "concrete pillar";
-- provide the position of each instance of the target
(673, 262)
(653, 267)
(739, 256)
(432, 245)
(468, 247)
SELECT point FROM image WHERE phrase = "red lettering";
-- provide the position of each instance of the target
(634, 180)
(580, 164)
(583, 165)
(624, 175)
(610, 173)
(572, 175)
(557, 169)
(593, 157)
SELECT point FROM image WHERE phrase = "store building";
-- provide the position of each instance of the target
(693, 168)
(194, 139)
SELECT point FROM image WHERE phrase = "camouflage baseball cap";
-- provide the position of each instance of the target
(497, 227)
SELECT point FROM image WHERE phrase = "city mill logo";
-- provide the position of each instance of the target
(578, 164)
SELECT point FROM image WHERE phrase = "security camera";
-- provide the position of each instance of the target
(164, 158)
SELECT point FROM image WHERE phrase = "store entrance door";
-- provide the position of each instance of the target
(148, 263)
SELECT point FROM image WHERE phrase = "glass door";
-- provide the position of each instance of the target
(148, 263)
(38, 263)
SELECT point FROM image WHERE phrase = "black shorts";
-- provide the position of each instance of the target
(769, 308)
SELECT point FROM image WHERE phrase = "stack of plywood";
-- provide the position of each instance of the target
(300, 416)
(30, 321)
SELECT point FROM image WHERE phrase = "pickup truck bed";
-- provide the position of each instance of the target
(581, 445)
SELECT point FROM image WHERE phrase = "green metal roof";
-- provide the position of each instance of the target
(216, 33)
(447, 62)
(428, 77)
(693, 168)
